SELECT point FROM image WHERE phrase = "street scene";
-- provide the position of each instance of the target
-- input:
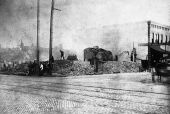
(128, 93)
(85, 57)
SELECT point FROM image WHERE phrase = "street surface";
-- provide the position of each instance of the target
(105, 94)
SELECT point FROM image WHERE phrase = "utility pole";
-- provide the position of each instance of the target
(51, 35)
(51, 30)
(38, 27)
(149, 49)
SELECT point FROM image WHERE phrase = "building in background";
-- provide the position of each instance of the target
(159, 33)
(125, 37)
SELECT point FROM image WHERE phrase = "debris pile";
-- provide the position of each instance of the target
(74, 68)
(120, 67)
(81, 68)
(21, 67)
(15, 69)
(61, 64)
(84, 68)
(111, 67)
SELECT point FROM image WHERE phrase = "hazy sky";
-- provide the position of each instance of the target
(18, 19)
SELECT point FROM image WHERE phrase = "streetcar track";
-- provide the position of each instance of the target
(38, 94)
(84, 88)
(45, 83)
(98, 87)
(80, 94)
(77, 101)
(90, 76)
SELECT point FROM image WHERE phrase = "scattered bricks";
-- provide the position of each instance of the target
(62, 64)
(122, 67)
(77, 68)
(74, 68)
(82, 68)
(110, 67)
(19, 69)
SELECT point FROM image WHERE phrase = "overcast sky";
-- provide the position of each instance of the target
(18, 19)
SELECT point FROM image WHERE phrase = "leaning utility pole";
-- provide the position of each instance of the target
(38, 27)
(51, 35)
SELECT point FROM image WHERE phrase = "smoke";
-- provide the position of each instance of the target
(73, 23)
(16, 20)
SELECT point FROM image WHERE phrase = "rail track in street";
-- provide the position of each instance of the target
(97, 92)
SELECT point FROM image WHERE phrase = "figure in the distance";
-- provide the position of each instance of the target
(62, 54)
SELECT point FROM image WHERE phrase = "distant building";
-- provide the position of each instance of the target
(158, 33)
(23, 47)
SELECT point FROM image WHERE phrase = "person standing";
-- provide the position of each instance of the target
(41, 69)
(62, 54)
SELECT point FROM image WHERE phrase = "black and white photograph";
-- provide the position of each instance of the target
(84, 57)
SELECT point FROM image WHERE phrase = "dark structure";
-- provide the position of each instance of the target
(72, 57)
(133, 55)
(95, 53)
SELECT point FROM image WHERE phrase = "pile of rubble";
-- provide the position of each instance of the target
(61, 64)
(120, 67)
(15, 69)
(81, 68)
(21, 68)
(111, 67)
(74, 68)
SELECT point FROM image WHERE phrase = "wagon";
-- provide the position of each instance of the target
(163, 70)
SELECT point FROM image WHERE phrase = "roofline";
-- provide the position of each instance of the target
(137, 22)
(159, 24)
(128, 23)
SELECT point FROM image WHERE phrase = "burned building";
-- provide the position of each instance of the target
(96, 53)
